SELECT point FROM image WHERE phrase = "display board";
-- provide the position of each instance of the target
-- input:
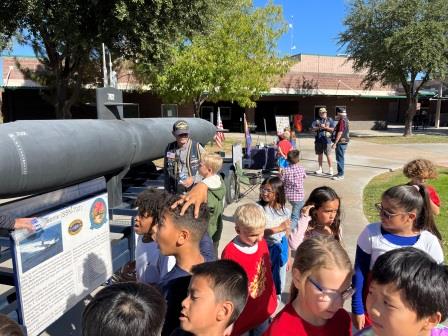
(281, 122)
(62, 262)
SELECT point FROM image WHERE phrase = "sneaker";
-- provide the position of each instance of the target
(337, 177)
(330, 172)
(319, 171)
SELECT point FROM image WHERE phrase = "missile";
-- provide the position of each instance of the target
(41, 155)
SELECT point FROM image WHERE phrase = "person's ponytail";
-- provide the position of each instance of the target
(425, 219)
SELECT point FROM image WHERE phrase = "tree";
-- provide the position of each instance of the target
(66, 35)
(398, 41)
(235, 61)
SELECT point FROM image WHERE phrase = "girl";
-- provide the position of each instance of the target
(406, 220)
(419, 171)
(321, 282)
(321, 215)
(273, 200)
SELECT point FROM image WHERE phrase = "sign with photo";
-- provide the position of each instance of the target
(62, 261)
(281, 122)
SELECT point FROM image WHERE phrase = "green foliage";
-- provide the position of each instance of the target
(235, 61)
(66, 35)
(375, 188)
(397, 40)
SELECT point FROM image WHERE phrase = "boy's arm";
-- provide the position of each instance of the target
(196, 196)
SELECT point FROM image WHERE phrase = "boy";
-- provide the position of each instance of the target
(126, 308)
(407, 295)
(209, 167)
(216, 296)
(180, 236)
(293, 178)
(250, 250)
(150, 265)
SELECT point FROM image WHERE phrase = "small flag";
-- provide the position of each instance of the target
(247, 136)
(219, 136)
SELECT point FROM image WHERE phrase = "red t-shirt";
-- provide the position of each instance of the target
(262, 300)
(289, 323)
(285, 146)
(433, 195)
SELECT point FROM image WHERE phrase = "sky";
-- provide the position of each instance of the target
(315, 27)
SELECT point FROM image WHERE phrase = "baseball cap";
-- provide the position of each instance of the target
(181, 127)
(322, 110)
(342, 111)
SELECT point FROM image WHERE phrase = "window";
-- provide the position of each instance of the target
(226, 113)
(169, 110)
(206, 113)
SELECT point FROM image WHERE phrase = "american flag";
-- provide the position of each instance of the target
(219, 136)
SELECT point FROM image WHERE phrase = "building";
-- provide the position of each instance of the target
(313, 81)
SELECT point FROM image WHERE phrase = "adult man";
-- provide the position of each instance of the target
(323, 126)
(340, 138)
(181, 160)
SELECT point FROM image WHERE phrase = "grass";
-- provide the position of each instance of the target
(373, 191)
(419, 138)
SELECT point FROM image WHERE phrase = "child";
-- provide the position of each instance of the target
(284, 146)
(407, 295)
(9, 327)
(273, 201)
(123, 309)
(250, 250)
(293, 177)
(419, 171)
(180, 237)
(406, 220)
(321, 282)
(216, 296)
(321, 215)
(209, 167)
(150, 265)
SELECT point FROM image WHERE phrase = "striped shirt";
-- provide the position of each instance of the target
(293, 177)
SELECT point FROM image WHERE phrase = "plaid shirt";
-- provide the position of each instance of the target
(293, 177)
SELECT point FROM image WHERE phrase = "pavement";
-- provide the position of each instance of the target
(364, 161)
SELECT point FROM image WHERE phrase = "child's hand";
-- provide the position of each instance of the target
(285, 226)
(306, 209)
(359, 321)
(24, 223)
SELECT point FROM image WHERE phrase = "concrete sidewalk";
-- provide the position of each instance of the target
(364, 160)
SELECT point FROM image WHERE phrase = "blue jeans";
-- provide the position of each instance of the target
(295, 213)
(340, 152)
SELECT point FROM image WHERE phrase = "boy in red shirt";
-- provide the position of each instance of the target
(250, 250)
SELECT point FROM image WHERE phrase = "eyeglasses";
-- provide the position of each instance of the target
(327, 295)
(385, 213)
(266, 191)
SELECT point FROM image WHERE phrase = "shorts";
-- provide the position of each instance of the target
(322, 148)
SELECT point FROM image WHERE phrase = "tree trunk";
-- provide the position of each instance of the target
(409, 116)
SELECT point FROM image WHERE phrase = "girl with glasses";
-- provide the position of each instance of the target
(321, 282)
(273, 202)
(406, 220)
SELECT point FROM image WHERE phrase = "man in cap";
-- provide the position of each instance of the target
(181, 160)
(323, 126)
(340, 138)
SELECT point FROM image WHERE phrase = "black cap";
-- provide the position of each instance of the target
(181, 127)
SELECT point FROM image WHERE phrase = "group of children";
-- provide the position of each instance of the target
(397, 284)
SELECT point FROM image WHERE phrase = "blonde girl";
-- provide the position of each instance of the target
(321, 282)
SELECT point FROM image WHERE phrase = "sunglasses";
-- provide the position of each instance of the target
(386, 213)
(327, 295)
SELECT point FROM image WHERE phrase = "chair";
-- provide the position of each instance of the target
(250, 179)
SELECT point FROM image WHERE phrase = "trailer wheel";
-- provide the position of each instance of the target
(232, 187)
